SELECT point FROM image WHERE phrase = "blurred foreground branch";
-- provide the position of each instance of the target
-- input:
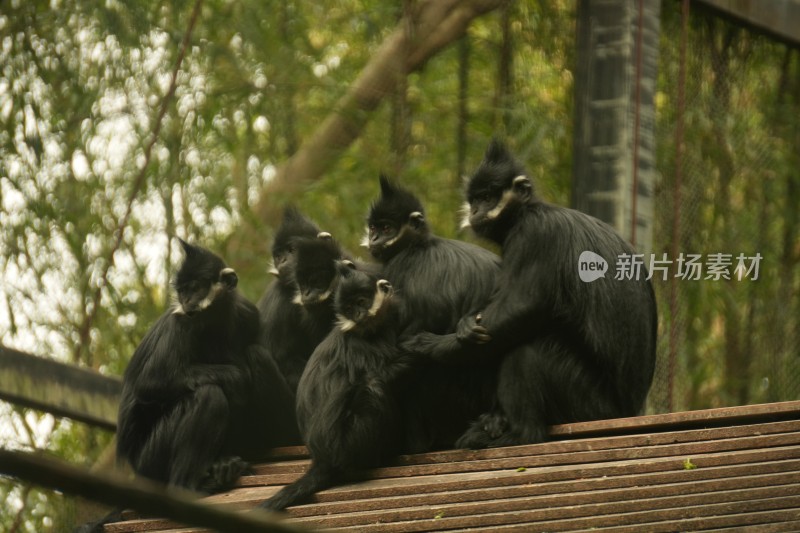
(145, 496)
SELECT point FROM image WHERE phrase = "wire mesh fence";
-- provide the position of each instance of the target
(728, 138)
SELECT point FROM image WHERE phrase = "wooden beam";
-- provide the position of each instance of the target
(668, 479)
(146, 496)
(58, 388)
(779, 18)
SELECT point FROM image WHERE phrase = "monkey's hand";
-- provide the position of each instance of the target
(470, 331)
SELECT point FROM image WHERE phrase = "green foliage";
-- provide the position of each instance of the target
(81, 83)
(80, 88)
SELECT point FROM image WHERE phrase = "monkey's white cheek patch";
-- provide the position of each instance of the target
(212, 294)
(331, 287)
(508, 195)
(365, 239)
(298, 297)
(377, 302)
(345, 324)
(324, 296)
(465, 211)
(397, 237)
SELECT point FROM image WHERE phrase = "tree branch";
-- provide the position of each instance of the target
(433, 25)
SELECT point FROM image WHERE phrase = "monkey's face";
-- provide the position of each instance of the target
(395, 221)
(316, 273)
(293, 226)
(361, 298)
(202, 280)
(490, 206)
(282, 261)
(385, 238)
(198, 294)
(496, 191)
(315, 286)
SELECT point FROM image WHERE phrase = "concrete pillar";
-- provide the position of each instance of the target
(614, 141)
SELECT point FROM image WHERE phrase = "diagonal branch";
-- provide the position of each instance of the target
(431, 26)
(138, 184)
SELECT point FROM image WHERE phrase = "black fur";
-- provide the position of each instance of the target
(297, 309)
(200, 396)
(440, 280)
(294, 225)
(575, 350)
(279, 314)
(347, 401)
(288, 331)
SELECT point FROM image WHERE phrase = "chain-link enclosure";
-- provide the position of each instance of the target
(728, 142)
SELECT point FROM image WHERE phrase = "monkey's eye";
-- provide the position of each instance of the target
(386, 228)
(363, 302)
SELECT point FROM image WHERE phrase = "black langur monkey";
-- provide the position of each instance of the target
(286, 328)
(293, 225)
(440, 280)
(200, 396)
(297, 309)
(573, 350)
(347, 402)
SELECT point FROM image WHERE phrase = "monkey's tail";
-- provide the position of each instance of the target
(97, 526)
(317, 478)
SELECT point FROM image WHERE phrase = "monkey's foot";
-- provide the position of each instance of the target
(484, 432)
(222, 475)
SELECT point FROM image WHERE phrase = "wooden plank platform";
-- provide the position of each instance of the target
(699, 470)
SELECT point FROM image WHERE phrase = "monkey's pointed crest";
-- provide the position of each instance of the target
(497, 151)
(395, 203)
(291, 213)
(294, 224)
(198, 263)
(188, 249)
(387, 187)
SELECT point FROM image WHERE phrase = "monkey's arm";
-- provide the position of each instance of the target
(227, 376)
(507, 320)
(445, 348)
(524, 299)
(440, 347)
(504, 322)
(175, 381)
